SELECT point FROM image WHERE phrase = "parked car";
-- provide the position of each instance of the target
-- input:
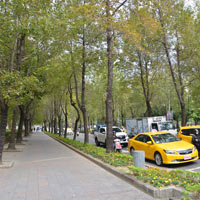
(190, 134)
(186, 132)
(163, 148)
(101, 134)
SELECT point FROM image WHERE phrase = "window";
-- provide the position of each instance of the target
(164, 138)
(102, 130)
(189, 132)
(154, 126)
(143, 138)
(148, 139)
(140, 138)
(116, 130)
(166, 126)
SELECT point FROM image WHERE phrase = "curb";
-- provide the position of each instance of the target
(12, 150)
(6, 164)
(170, 192)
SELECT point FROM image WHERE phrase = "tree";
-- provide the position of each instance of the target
(17, 26)
(109, 103)
(174, 32)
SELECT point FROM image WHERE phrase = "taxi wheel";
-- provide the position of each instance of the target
(132, 150)
(158, 159)
(97, 142)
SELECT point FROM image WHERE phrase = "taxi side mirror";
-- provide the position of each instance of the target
(149, 142)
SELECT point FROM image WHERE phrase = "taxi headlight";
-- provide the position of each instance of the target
(170, 152)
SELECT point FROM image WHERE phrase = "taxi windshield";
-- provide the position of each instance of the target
(117, 130)
(164, 138)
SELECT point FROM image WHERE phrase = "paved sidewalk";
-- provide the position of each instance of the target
(47, 170)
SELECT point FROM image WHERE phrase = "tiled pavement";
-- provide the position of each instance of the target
(47, 170)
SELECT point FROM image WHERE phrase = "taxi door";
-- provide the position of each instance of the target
(185, 135)
(148, 147)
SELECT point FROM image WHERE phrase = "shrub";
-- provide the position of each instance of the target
(162, 178)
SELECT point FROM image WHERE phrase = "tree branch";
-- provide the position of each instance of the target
(119, 7)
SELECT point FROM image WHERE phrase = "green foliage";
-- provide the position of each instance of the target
(162, 178)
(7, 136)
(195, 115)
(10, 83)
(14, 87)
(194, 188)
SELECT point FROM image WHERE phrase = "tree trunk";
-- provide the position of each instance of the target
(80, 124)
(83, 107)
(122, 116)
(59, 124)
(20, 126)
(55, 117)
(183, 114)
(180, 94)
(26, 131)
(45, 125)
(132, 112)
(149, 110)
(77, 111)
(76, 123)
(13, 130)
(27, 118)
(20, 49)
(113, 113)
(52, 125)
(49, 126)
(3, 124)
(30, 125)
(66, 124)
(145, 84)
(55, 125)
(109, 106)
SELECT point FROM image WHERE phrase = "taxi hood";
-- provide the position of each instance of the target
(178, 145)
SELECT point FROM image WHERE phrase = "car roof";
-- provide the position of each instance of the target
(188, 127)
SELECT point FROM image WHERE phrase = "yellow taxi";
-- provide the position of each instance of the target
(163, 148)
(186, 132)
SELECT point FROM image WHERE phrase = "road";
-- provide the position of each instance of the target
(192, 166)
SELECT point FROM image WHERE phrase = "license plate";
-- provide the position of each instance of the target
(187, 157)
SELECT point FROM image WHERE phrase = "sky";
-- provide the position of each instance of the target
(189, 2)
